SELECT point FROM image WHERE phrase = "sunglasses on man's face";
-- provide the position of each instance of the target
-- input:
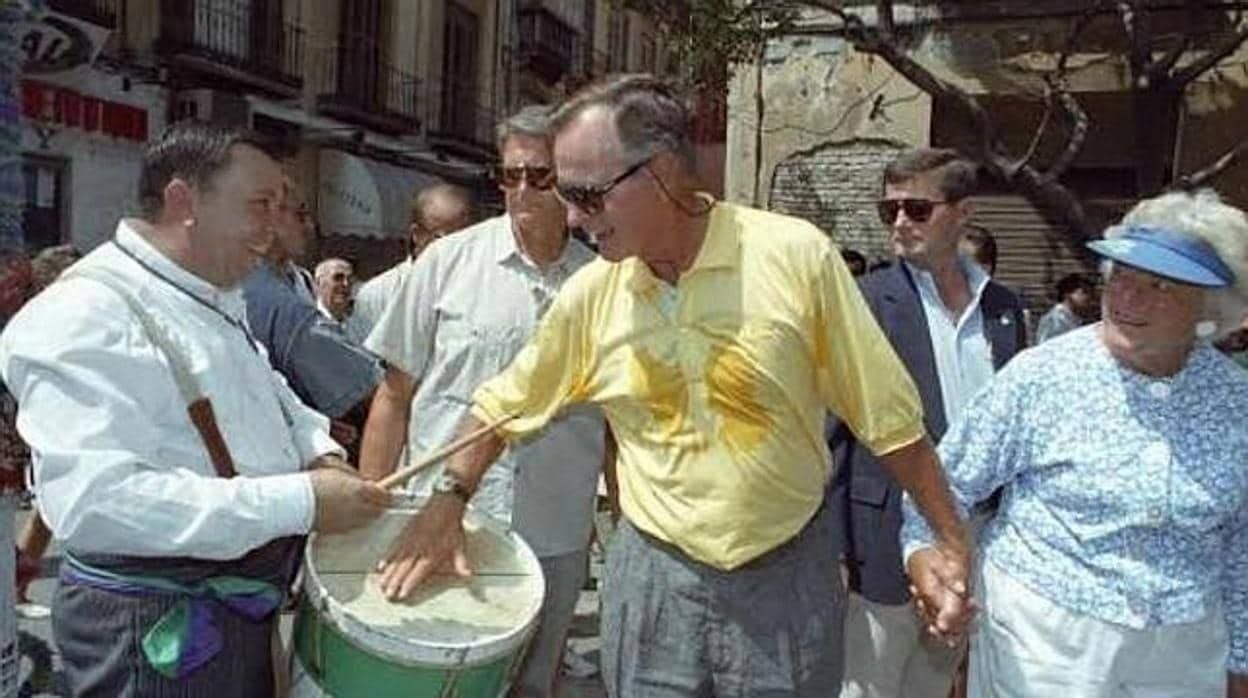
(917, 210)
(590, 199)
(510, 176)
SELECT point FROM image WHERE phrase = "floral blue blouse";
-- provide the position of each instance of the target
(1125, 497)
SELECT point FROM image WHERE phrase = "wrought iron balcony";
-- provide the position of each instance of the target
(354, 84)
(547, 45)
(248, 43)
(461, 120)
(102, 13)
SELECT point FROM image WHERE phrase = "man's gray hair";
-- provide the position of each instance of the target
(650, 116)
(1204, 216)
(532, 121)
(326, 267)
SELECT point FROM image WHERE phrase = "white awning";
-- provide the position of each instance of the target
(365, 198)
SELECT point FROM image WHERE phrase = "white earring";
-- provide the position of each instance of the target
(1206, 329)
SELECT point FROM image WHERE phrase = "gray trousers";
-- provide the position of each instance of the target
(565, 575)
(675, 627)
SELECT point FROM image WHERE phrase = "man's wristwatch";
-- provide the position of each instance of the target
(447, 483)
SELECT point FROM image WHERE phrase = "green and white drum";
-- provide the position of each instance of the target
(454, 637)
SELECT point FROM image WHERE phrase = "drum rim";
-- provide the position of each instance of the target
(408, 652)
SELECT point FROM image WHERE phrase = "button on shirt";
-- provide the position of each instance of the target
(959, 345)
(118, 466)
(716, 389)
(1125, 496)
(466, 308)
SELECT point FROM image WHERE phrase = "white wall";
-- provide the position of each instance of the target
(103, 171)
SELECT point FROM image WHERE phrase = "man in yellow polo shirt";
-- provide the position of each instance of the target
(714, 337)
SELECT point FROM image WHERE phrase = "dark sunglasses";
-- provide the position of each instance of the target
(592, 199)
(537, 177)
(917, 210)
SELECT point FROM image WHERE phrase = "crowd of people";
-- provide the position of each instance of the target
(831, 477)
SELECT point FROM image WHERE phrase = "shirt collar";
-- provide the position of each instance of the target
(229, 301)
(721, 249)
(506, 250)
(976, 278)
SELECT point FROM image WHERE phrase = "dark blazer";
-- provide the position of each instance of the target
(866, 495)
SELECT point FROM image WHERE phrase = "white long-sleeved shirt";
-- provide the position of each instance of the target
(118, 466)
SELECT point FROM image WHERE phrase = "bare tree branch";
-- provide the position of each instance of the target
(1040, 130)
(1160, 68)
(1061, 207)
(1205, 174)
(884, 14)
(1223, 48)
(1137, 41)
(1078, 135)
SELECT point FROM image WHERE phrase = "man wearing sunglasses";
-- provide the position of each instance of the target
(467, 307)
(952, 327)
(714, 337)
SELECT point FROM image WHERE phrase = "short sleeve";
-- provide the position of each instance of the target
(861, 380)
(405, 332)
(332, 373)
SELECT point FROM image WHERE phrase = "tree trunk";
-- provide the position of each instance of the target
(1156, 112)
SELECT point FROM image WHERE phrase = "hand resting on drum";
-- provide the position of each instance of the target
(432, 542)
(344, 500)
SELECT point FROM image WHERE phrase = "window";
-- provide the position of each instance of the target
(459, 71)
(45, 186)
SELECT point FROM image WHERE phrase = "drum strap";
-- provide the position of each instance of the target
(198, 406)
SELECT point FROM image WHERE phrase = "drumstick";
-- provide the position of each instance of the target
(402, 475)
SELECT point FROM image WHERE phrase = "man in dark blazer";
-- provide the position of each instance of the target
(952, 327)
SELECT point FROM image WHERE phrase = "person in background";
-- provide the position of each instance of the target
(855, 261)
(436, 211)
(979, 244)
(467, 307)
(15, 288)
(328, 371)
(1117, 562)
(953, 328)
(335, 286)
(1075, 298)
(1235, 344)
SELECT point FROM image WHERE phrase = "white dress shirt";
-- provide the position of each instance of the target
(469, 304)
(118, 466)
(959, 345)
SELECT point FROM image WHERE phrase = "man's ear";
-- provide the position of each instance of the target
(965, 209)
(180, 199)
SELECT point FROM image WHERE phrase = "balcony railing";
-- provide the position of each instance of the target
(461, 120)
(353, 83)
(238, 39)
(102, 13)
(547, 44)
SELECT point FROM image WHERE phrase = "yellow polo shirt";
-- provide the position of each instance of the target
(717, 387)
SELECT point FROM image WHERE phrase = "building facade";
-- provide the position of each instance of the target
(832, 117)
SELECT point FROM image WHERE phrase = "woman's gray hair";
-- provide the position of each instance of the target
(1204, 216)
(532, 121)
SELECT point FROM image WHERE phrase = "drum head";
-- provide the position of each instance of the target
(447, 622)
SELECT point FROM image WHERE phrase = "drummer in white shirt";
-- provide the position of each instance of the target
(179, 530)
(468, 305)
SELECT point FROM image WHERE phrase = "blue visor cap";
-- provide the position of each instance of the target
(1178, 257)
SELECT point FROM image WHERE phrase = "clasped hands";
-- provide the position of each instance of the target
(939, 583)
